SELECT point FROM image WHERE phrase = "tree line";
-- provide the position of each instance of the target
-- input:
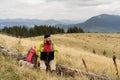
(75, 30)
(23, 31)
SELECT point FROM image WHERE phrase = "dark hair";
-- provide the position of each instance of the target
(46, 36)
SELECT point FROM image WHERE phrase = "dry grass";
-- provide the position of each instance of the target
(91, 41)
(72, 48)
(9, 70)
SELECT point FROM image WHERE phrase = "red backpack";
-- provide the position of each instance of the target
(31, 56)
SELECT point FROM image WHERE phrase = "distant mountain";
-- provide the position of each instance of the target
(27, 22)
(68, 23)
(101, 23)
(71, 21)
(32, 22)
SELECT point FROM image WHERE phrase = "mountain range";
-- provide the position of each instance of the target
(32, 22)
(99, 23)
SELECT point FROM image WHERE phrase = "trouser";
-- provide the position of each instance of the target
(51, 64)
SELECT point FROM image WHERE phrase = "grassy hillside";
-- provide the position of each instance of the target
(9, 70)
(72, 48)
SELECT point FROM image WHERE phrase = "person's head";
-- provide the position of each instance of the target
(47, 38)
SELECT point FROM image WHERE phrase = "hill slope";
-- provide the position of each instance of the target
(73, 47)
(101, 23)
(9, 70)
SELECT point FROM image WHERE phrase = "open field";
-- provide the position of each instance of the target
(72, 48)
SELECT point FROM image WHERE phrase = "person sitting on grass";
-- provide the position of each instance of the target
(46, 51)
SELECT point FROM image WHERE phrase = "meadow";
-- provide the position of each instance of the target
(96, 49)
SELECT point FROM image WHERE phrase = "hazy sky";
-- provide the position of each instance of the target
(57, 9)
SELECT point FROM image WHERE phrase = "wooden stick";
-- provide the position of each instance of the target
(115, 64)
(85, 65)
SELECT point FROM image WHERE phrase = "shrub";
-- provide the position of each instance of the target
(104, 52)
(94, 51)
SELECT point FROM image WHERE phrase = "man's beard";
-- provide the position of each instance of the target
(48, 42)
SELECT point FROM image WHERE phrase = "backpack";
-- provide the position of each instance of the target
(31, 56)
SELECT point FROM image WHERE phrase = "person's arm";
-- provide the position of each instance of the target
(55, 53)
(38, 51)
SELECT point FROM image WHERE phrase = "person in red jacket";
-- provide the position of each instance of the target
(47, 53)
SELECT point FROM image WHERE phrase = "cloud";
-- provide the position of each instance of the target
(57, 9)
(31, 2)
(81, 2)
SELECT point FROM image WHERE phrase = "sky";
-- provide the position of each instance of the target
(57, 9)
